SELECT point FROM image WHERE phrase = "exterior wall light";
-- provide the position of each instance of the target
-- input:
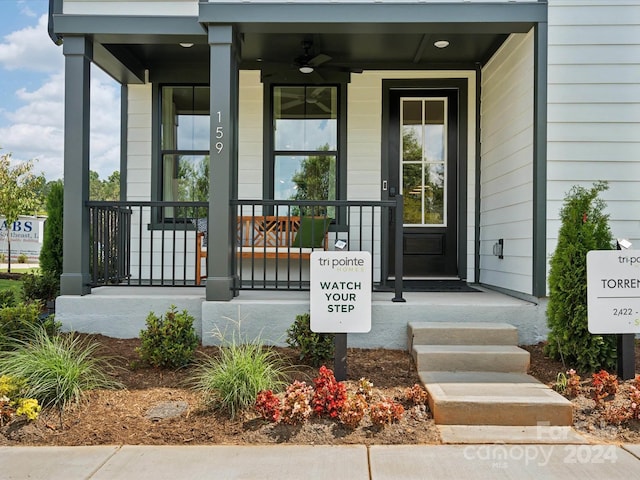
(186, 45)
(441, 44)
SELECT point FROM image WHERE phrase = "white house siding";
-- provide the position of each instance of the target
(121, 7)
(594, 108)
(139, 142)
(250, 128)
(506, 176)
(190, 7)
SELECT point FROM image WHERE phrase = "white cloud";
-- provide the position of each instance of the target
(35, 130)
(26, 9)
(31, 49)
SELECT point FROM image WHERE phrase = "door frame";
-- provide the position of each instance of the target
(461, 85)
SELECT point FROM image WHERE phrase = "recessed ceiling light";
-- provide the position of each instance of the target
(186, 44)
(441, 44)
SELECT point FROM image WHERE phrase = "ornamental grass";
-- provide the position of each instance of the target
(58, 370)
(232, 380)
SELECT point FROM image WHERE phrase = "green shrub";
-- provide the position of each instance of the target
(22, 258)
(8, 298)
(19, 322)
(584, 227)
(3, 258)
(315, 348)
(168, 341)
(51, 253)
(58, 370)
(44, 287)
(233, 379)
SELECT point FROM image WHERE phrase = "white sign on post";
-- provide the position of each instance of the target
(340, 292)
(613, 291)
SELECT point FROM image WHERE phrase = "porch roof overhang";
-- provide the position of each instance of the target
(356, 35)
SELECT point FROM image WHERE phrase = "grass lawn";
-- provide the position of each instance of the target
(15, 285)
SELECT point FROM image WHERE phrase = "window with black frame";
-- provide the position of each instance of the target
(184, 149)
(305, 144)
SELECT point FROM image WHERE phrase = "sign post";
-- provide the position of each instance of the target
(340, 298)
(613, 301)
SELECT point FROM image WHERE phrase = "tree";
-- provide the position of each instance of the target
(19, 189)
(104, 190)
(584, 227)
(51, 253)
(316, 180)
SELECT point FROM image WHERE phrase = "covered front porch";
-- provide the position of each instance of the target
(372, 65)
(120, 312)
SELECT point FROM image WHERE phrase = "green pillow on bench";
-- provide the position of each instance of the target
(311, 232)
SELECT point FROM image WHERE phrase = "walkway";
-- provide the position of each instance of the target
(354, 462)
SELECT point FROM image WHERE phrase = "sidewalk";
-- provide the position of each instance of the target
(354, 462)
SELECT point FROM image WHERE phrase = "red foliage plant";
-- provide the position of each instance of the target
(573, 383)
(353, 410)
(329, 395)
(604, 385)
(385, 412)
(634, 402)
(417, 395)
(295, 406)
(268, 405)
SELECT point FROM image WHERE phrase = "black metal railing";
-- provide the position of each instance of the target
(144, 243)
(272, 258)
(149, 243)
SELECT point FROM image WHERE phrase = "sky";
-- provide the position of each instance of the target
(32, 95)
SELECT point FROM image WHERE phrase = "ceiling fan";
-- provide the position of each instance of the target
(307, 62)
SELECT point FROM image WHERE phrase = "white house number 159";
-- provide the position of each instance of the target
(219, 134)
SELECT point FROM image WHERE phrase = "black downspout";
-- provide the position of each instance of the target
(55, 8)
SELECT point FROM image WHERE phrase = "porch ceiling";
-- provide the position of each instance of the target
(353, 51)
(378, 35)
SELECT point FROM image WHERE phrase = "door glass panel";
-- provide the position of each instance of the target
(423, 167)
(433, 194)
(412, 192)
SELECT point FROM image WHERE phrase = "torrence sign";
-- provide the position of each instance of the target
(340, 292)
(613, 291)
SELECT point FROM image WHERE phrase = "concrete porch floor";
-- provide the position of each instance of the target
(121, 312)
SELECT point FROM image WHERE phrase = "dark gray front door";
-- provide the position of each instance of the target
(423, 166)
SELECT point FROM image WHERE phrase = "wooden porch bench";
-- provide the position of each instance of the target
(273, 237)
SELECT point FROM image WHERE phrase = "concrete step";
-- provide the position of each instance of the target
(461, 333)
(493, 398)
(477, 358)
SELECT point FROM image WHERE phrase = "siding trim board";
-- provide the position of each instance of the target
(380, 17)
